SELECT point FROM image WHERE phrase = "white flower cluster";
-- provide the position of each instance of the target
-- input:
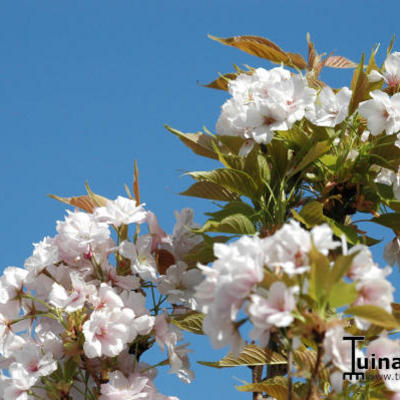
(71, 303)
(266, 101)
(235, 282)
(383, 111)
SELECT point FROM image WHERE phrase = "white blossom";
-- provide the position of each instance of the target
(179, 284)
(45, 253)
(142, 260)
(331, 109)
(262, 103)
(73, 299)
(385, 348)
(382, 112)
(79, 235)
(108, 331)
(272, 309)
(136, 386)
(121, 211)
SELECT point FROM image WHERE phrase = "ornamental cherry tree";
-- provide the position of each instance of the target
(281, 274)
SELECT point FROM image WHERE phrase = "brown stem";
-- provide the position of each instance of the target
(314, 375)
(289, 368)
(256, 375)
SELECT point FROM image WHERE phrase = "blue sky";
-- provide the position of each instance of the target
(86, 87)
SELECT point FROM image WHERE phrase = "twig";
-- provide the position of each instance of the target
(256, 375)
(289, 368)
(315, 373)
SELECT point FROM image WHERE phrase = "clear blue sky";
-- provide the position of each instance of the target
(86, 86)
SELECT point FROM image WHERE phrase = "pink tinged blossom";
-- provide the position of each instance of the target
(12, 344)
(45, 253)
(106, 297)
(75, 298)
(382, 112)
(36, 363)
(262, 103)
(126, 282)
(80, 234)
(331, 109)
(157, 233)
(136, 386)
(385, 348)
(385, 176)
(338, 351)
(222, 333)
(8, 313)
(48, 336)
(274, 309)
(107, 332)
(363, 266)
(390, 178)
(378, 292)
(288, 248)
(143, 322)
(180, 363)
(391, 253)
(121, 211)
(11, 283)
(135, 301)
(392, 70)
(237, 270)
(167, 337)
(179, 284)
(19, 383)
(183, 239)
(142, 261)
(391, 74)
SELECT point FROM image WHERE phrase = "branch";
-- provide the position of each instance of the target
(256, 375)
(314, 376)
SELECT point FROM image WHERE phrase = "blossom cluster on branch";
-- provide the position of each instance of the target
(73, 325)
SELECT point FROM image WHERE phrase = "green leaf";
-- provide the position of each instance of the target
(210, 190)
(320, 276)
(236, 224)
(391, 220)
(340, 229)
(341, 267)
(279, 157)
(264, 48)
(313, 154)
(263, 168)
(70, 369)
(190, 322)
(251, 355)
(359, 87)
(234, 207)
(234, 143)
(374, 314)
(385, 153)
(295, 136)
(199, 142)
(232, 179)
(311, 214)
(342, 293)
